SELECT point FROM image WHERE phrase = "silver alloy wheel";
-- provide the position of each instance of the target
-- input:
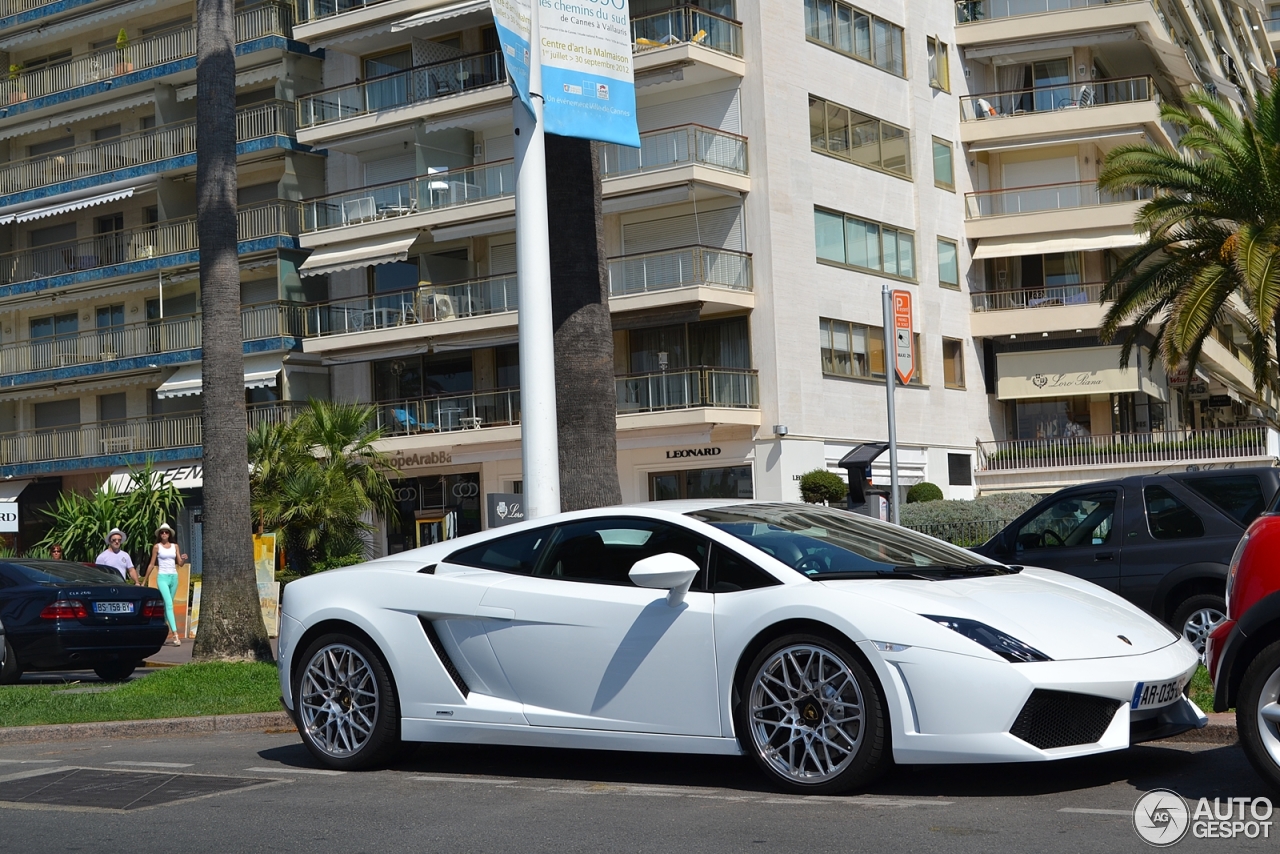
(1198, 626)
(806, 713)
(1269, 716)
(339, 700)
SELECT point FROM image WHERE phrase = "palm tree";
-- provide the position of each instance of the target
(1213, 232)
(231, 617)
(586, 400)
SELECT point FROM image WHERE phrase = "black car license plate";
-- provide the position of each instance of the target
(113, 607)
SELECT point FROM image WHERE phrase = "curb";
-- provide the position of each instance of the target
(1221, 730)
(257, 722)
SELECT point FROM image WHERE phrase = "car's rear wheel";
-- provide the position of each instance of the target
(11, 672)
(812, 717)
(115, 671)
(1258, 714)
(347, 708)
(1199, 615)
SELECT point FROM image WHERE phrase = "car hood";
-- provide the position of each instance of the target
(1060, 615)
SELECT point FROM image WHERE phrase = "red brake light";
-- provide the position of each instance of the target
(153, 608)
(64, 609)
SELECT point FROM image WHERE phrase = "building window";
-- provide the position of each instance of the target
(729, 482)
(854, 350)
(944, 173)
(858, 138)
(864, 245)
(939, 65)
(952, 363)
(948, 264)
(959, 470)
(855, 33)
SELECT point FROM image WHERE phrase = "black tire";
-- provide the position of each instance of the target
(1197, 607)
(115, 671)
(868, 755)
(11, 672)
(321, 729)
(1262, 747)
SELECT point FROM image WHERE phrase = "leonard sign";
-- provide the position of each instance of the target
(904, 352)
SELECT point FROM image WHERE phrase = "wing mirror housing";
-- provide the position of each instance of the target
(670, 572)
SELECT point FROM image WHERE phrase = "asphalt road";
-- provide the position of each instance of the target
(482, 799)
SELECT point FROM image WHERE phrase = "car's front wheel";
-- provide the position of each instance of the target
(1199, 615)
(1258, 714)
(812, 717)
(347, 708)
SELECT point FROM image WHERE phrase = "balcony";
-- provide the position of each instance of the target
(1044, 297)
(161, 149)
(131, 251)
(417, 85)
(143, 61)
(680, 154)
(720, 279)
(1044, 208)
(686, 46)
(687, 397)
(136, 346)
(1027, 311)
(470, 411)
(972, 11)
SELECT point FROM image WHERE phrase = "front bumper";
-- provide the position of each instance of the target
(1220, 651)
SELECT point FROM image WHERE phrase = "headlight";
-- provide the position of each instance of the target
(1235, 567)
(1003, 645)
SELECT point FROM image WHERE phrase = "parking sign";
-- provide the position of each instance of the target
(903, 338)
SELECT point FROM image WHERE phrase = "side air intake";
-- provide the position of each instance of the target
(443, 655)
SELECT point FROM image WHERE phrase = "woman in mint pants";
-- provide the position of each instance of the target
(166, 557)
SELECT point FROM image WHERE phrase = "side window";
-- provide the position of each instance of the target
(516, 554)
(1081, 519)
(1239, 496)
(602, 551)
(1168, 518)
(730, 573)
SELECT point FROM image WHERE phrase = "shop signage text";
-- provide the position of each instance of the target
(680, 453)
(427, 458)
(1219, 401)
(505, 508)
(1067, 381)
(8, 517)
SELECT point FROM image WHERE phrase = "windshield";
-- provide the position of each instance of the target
(60, 571)
(821, 541)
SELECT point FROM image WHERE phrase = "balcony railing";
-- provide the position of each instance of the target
(1273, 25)
(686, 267)
(401, 88)
(969, 11)
(660, 149)
(1070, 96)
(15, 7)
(434, 191)
(424, 304)
(267, 19)
(277, 412)
(1123, 448)
(1046, 197)
(732, 388)
(314, 10)
(1084, 293)
(687, 25)
(470, 411)
(274, 118)
(269, 219)
(148, 338)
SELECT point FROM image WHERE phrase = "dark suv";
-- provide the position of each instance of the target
(1161, 541)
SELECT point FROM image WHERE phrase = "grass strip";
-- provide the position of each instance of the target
(209, 688)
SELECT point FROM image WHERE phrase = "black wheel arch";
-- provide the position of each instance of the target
(1254, 632)
(1188, 580)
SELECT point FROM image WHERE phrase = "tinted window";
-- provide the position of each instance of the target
(55, 571)
(1080, 519)
(517, 553)
(730, 573)
(1168, 518)
(1239, 496)
(602, 551)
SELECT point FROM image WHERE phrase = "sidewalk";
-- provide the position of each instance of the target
(172, 656)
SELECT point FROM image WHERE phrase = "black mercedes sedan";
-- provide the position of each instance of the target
(60, 615)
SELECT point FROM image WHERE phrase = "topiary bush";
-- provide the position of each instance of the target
(822, 487)
(922, 492)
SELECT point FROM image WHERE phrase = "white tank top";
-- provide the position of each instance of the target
(167, 560)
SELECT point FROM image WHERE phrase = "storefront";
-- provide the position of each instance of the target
(434, 508)
(704, 465)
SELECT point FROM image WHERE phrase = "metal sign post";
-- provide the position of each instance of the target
(899, 340)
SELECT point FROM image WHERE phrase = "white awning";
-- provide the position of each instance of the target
(1026, 375)
(474, 229)
(9, 492)
(457, 9)
(84, 22)
(67, 207)
(1039, 244)
(365, 253)
(181, 475)
(260, 371)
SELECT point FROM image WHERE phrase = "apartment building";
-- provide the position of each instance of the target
(1051, 87)
(99, 287)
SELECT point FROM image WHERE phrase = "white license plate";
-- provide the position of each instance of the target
(1149, 695)
(113, 607)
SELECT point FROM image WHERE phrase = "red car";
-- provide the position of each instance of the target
(1243, 653)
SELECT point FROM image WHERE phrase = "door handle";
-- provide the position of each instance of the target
(495, 613)
(1105, 556)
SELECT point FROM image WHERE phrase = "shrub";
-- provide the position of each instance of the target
(967, 523)
(922, 492)
(822, 487)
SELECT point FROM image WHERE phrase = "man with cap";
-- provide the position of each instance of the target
(117, 558)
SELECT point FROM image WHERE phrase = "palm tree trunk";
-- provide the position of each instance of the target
(586, 402)
(231, 618)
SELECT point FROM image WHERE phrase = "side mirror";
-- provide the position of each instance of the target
(670, 572)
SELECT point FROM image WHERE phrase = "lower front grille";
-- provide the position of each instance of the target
(1061, 719)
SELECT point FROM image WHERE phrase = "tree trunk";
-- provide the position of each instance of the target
(230, 616)
(586, 402)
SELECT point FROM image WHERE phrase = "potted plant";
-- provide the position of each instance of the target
(124, 61)
(16, 92)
